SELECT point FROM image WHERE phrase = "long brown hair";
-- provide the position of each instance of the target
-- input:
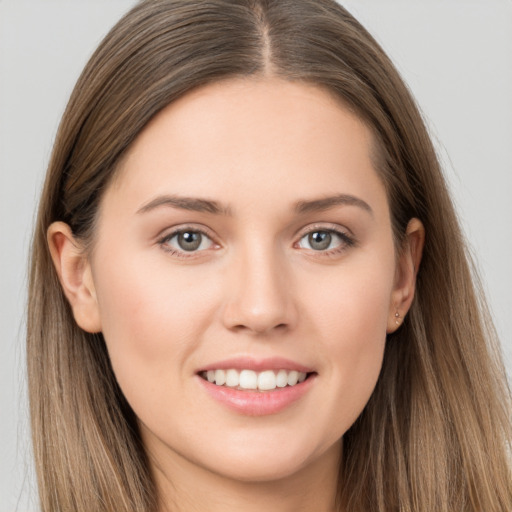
(436, 433)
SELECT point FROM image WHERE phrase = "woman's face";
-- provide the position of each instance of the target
(247, 236)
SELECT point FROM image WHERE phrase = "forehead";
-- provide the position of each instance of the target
(238, 138)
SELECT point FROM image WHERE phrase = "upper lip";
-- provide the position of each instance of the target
(257, 365)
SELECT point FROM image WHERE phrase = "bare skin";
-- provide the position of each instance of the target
(247, 221)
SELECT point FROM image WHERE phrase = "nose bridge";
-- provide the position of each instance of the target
(259, 296)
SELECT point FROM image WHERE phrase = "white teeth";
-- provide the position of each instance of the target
(232, 378)
(282, 378)
(220, 377)
(248, 379)
(267, 380)
(293, 377)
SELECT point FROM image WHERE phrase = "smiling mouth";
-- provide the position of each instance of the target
(266, 380)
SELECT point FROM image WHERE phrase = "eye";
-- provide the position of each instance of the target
(187, 240)
(325, 240)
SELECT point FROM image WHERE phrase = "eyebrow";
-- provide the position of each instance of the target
(325, 203)
(185, 203)
(213, 207)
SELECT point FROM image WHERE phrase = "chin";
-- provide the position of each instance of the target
(259, 469)
(265, 463)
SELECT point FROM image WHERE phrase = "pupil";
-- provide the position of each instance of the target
(320, 240)
(189, 241)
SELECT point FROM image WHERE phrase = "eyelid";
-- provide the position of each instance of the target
(346, 236)
(178, 228)
(169, 233)
(335, 228)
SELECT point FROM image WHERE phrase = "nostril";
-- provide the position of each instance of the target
(259, 327)
(266, 330)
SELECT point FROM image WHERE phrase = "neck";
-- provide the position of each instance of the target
(185, 487)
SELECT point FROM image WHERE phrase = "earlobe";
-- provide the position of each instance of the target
(75, 276)
(407, 269)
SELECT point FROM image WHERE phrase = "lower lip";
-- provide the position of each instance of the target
(256, 403)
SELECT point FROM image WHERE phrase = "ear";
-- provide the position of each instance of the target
(75, 276)
(407, 269)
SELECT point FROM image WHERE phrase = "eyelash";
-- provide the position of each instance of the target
(164, 241)
(347, 241)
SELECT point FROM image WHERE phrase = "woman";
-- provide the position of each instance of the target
(249, 288)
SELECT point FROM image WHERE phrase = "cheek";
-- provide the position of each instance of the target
(351, 319)
(151, 316)
(353, 300)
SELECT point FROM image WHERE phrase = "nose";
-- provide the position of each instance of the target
(260, 297)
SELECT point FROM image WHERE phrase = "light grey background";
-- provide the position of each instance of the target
(456, 55)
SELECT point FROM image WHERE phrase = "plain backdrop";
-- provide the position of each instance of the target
(456, 56)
